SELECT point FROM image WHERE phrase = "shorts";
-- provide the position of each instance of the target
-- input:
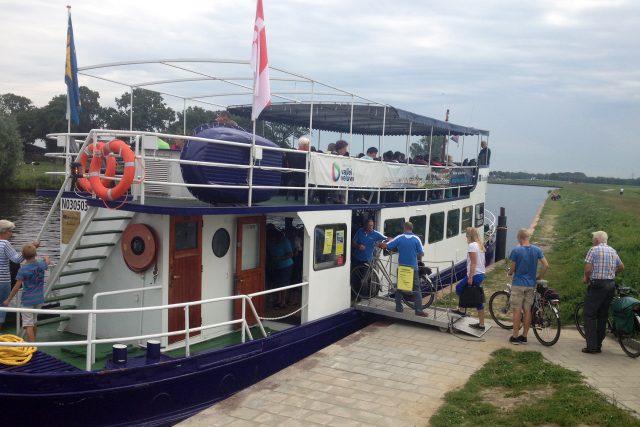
(29, 319)
(522, 297)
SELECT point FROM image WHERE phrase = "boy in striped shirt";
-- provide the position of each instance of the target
(31, 278)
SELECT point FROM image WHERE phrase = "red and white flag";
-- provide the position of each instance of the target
(260, 65)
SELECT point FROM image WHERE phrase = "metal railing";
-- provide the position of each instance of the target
(91, 339)
(433, 188)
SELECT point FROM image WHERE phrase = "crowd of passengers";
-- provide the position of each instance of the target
(341, 148)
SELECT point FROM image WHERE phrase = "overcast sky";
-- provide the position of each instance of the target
(556, 82)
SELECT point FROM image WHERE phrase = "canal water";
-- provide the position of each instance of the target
(28, 212)
(521, 204)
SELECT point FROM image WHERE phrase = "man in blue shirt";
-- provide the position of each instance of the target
(363, 243)
(524, 268)
(410, 250)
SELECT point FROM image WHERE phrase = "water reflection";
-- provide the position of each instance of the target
(28, 212)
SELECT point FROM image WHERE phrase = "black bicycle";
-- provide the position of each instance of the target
(367, 281)
(629, 340)
(545, 320)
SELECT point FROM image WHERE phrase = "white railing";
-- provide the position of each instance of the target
(91, 340)
(433, 189)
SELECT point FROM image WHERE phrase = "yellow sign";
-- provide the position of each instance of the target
(328, 241)
(339, 242)
(405, 278)
(69, 224)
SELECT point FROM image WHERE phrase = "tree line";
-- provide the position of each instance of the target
(21, 122)
(563, 176)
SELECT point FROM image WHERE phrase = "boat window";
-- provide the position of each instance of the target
(467, 217)
(436, 227)
(419, 226)
(186, 235)
(393, 227)
(220, 242)
(479, 215)
(329, 246)
(453, 223)
(250, 246)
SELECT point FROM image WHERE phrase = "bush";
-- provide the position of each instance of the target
(10, 147)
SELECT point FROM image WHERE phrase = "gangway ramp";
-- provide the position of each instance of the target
(440, 317)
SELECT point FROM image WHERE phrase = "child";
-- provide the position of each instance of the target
(31, 278)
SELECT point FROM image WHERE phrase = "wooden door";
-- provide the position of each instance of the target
(250, 263)
(185, 272)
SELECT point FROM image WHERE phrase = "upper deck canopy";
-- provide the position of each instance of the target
(368, 119)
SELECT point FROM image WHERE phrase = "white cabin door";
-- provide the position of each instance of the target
(185, 272)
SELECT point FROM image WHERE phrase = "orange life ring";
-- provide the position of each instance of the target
(139, 247)
(82, 159)
(122, 149)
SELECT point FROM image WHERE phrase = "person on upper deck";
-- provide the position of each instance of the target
(223, 118)
(372, 153)
(387, 156)
(399, 157)
(484, 157)
(419, 160)
(341, 148)
(331, 147)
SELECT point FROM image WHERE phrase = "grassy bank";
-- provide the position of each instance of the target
(521, 389)
(31, 177)
(528, 182)
(564, 232)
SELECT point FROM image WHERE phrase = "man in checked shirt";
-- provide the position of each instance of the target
(601, 265)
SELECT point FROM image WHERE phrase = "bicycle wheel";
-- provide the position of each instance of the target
(546, 324)
(428, 291)
(500, 309)
(364, 285)
(630, 343)
(578, 316)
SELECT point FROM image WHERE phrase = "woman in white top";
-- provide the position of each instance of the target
(475, 271)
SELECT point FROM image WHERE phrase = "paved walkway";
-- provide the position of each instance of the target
(396, 374)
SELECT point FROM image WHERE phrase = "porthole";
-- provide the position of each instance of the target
(220, 242)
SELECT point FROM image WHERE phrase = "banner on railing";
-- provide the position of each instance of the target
(340, 171)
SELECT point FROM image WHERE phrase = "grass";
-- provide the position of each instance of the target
(529, 182)
(564, 232)
(527, 391)
(31, 177)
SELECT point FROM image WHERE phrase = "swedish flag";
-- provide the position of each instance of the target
(71, 78)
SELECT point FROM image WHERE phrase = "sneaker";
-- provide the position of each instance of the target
(522, 339)
(514, 340)
(477, 326)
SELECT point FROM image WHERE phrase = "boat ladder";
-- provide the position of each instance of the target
(83, 258)
(441, 317)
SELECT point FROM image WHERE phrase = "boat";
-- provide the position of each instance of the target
(160, 303)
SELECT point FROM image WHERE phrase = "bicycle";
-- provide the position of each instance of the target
(545, 319)
(366, 281)
(630, 343)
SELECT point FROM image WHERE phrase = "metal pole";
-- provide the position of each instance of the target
(384, 123)
(430, 144)
(501, 235)
(131, 110)
(408, 140)
(351, 124)
(187, 343)
(184, 116)
(253, 146)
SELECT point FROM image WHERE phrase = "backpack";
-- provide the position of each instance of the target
(622, 309)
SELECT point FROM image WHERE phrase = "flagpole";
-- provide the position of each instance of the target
(68, 104)
(251, 162)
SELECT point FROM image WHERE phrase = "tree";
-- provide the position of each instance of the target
(10, 147)
(195, 116)
(11, 104)
(91, 114)
(422, 147)
(150, 112)
(280, 133)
